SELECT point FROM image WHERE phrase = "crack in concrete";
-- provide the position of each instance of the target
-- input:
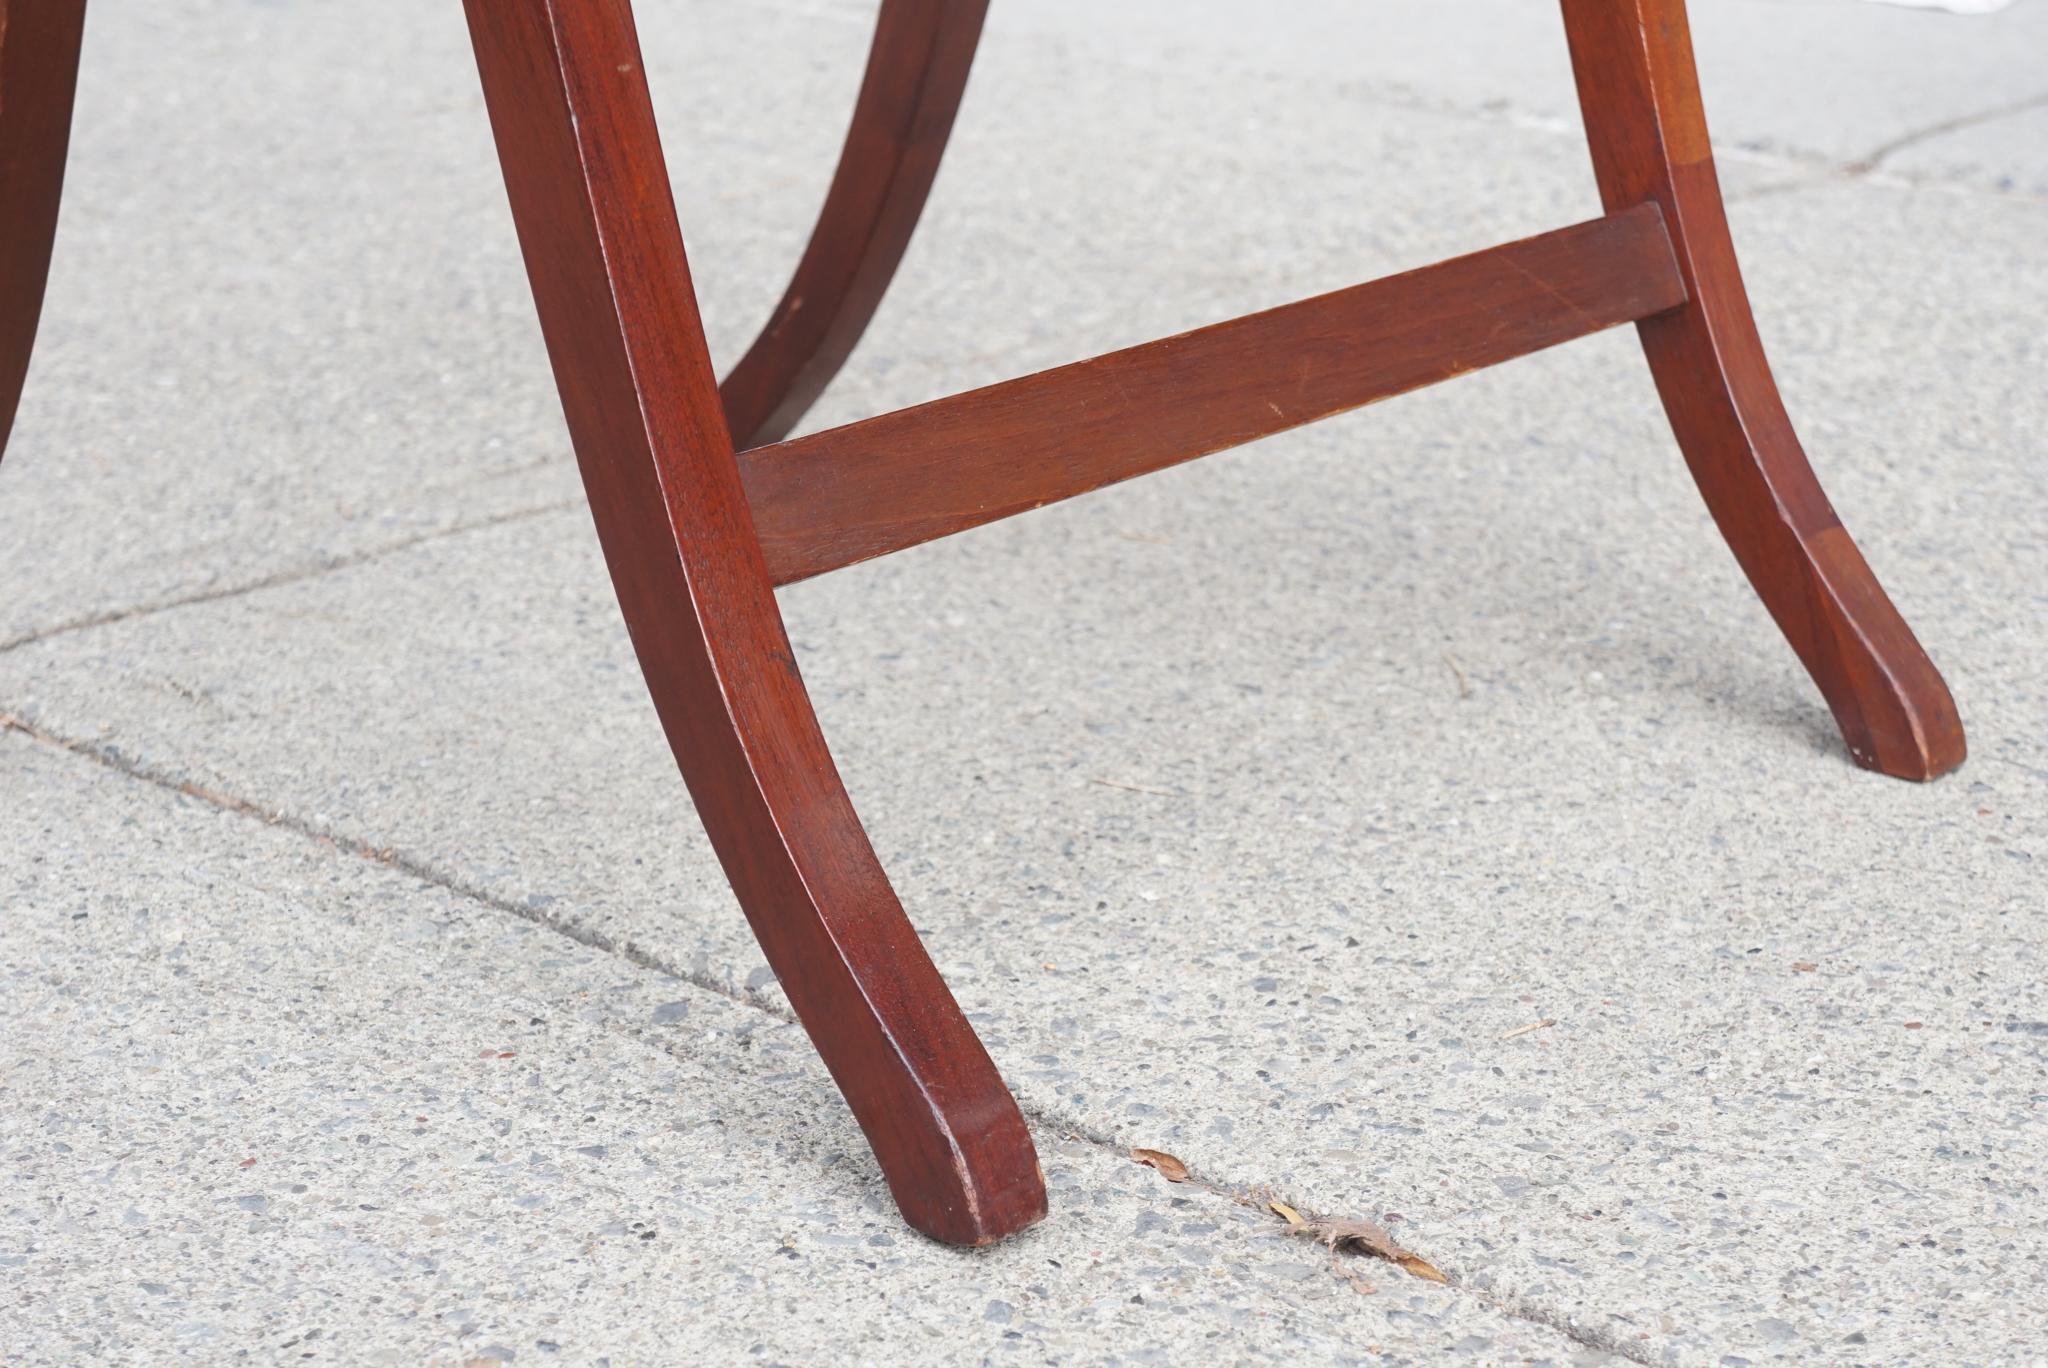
(1869, 168)
(275, 579)
(383, 855)
(1821, 168)
(1872, 159)
(1044, 1118)
(1259, 1198)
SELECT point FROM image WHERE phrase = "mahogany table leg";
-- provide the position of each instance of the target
(38, 68)
(1640, 96)
(917, 72)
(590, 196)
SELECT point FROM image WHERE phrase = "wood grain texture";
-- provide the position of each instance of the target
(1640, 96)
(38, 69)
(590, 196)
(855, 492)
(696, 536)
(916, 74)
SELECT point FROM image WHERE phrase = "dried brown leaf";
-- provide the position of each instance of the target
(1419, 1267)
(1361, 1237)
(1170, 1168)
(1802, 967)
(1358, 1282)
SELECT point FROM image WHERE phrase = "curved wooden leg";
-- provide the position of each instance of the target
(917, 71)
(590, 195)
(1640, 95)
(38, 69)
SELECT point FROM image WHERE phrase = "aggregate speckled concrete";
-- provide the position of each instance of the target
(1253, 810)
(308, 1107)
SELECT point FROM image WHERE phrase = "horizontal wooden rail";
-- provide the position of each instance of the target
(856, 492)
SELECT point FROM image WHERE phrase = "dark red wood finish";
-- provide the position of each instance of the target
(917, 72)
(38, 69)
(869, 488)
(590, 195)
(1641, 99)
(589, 191)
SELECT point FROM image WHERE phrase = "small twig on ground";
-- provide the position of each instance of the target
(1532, 1026)
(1464, 684)
(1170, 1168)
(1135, 788)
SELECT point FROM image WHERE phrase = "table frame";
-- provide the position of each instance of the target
(704, 506)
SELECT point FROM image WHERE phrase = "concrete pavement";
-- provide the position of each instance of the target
(1252, 810)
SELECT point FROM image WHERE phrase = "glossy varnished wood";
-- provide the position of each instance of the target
(863, 490)
(38, 68)
(696, 536)
(1640, 95)
(916, 74)
(590, 195)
